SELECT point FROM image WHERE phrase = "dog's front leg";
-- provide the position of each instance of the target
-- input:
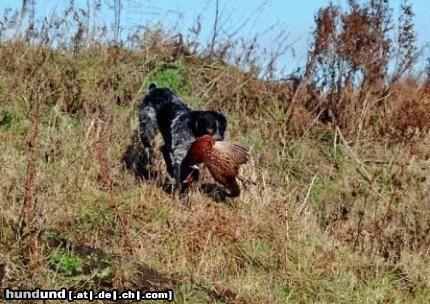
(168, 160)
(176, 166)
(178, 177)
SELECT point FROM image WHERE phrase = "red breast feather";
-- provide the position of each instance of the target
(200, 149)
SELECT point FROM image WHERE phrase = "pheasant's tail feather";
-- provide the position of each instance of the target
(238, 153)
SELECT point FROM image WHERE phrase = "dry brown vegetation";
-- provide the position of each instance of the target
(340, 159)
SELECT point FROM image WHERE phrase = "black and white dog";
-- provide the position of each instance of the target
(162, 111)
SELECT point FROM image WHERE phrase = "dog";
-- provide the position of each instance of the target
(161, 111)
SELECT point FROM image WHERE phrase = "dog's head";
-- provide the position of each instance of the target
(208, 123)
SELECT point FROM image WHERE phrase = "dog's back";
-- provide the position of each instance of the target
(163, 106)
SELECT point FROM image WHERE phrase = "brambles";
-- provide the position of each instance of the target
(410, 117)
(349, 62)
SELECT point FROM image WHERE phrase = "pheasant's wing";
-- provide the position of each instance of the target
(224, 171)
(221, 166)
(217, 173)
(239, 154)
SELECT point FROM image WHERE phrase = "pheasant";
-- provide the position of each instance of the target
(222, 159)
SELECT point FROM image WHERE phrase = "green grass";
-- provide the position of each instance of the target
(173, 78)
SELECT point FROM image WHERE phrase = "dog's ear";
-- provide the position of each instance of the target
(222, 122)
(198, 123)
(222, 119)
(152, 86)
(197, 120)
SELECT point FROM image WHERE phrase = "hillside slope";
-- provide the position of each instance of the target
(329, 219)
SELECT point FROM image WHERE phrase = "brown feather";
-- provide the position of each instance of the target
(235, 151)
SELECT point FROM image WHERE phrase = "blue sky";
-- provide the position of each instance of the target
(297, 17)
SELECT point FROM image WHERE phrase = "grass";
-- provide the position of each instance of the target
(321, 224)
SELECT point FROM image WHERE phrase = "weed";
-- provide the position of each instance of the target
(66, 262)
(6, 119)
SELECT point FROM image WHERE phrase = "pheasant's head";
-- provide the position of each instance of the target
(201, 148)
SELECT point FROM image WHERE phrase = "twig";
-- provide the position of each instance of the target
(362, 118)
(246, 181)
(202, 258)
(361, 169)
(393, 194)
(314, 121)
(335, 142)
(215, 32)
(422, 166)
(380, 162)
(104, 172)
(303, 205)
(27, 213)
